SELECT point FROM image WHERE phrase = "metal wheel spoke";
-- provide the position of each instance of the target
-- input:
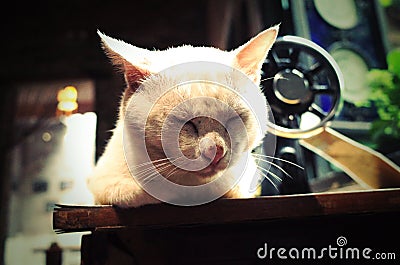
(315, 109)
(272, 60)
(315, 69)
(322, 89)
(275, 58)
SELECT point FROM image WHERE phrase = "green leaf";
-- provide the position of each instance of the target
(393, 60)
(380, 79)
(385, 94)
(386, 3)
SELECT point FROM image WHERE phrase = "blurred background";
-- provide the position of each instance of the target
(60, 93)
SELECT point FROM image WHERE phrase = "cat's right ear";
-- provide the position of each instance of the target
(250, 56)
(132, 60)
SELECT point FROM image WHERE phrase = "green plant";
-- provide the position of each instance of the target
(385, 95)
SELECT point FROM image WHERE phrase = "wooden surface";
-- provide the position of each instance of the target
(367, 167)
(231, 231)
(89, 218)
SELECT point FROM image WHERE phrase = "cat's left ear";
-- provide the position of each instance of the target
(132, 60)
(250, 56)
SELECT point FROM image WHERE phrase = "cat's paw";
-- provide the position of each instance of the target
(134, 201)
(124, 193)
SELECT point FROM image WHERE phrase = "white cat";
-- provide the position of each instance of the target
(199, 96)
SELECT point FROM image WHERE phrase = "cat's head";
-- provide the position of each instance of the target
(198, 109)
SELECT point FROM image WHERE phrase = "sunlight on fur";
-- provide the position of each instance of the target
(211, 128)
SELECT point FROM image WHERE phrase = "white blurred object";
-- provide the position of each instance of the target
(78, 157)
(309, 120)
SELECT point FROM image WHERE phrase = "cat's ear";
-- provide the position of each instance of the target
(132, 60)
(250, 56)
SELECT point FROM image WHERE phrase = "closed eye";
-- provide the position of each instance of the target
(177, 121)
(190, 125)
(183, 124)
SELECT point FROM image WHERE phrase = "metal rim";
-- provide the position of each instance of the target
(325, 59)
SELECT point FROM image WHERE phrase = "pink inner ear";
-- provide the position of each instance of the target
(250, 56)
(134, 75)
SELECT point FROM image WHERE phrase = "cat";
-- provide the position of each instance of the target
(211, 126)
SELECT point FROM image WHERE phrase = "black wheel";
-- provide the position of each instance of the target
(302, 83)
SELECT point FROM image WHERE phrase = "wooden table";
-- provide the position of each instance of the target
(231, 231)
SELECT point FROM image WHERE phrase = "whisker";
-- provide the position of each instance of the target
(265, 79)
(171, 172)
(271, 173)
(272, 77)
(177, 167)
(267, 178)
(279, 159)
(158, 167)
(275, 165)
(149, 162)
(153, 164)
(149, 178)
(159, 170)
(162, 170)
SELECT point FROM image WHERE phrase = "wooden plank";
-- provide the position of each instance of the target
(223, 211)
(367, 167)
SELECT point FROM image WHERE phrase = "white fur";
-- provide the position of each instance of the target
(112, 182)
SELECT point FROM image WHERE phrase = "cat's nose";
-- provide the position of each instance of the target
(219, 154)
(212, 149)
